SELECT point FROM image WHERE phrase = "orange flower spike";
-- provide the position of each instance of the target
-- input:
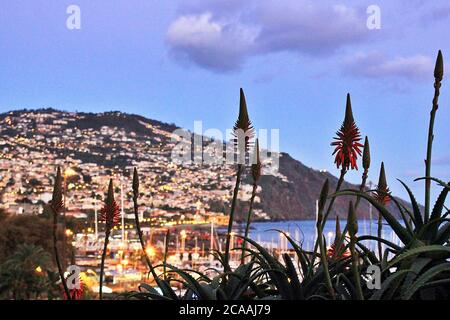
(347, 145)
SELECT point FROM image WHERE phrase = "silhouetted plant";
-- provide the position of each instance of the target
(256, 174)
(243, 132)
(416, 269)
(111, 216)
(422, 269)
(56, 205)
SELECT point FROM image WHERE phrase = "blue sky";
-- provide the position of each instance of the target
(181, 61)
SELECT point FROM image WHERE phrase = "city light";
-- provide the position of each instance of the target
(151, 252)
(69, 172)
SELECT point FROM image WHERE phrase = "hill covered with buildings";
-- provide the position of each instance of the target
(95, 147)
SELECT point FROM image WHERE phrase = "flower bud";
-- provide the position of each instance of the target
(135, 183)
(366, 155)
(352, 221)
(439, 67)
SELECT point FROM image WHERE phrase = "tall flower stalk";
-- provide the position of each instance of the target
(136, 219)
(110, 214)
(166, 253)
(256, 174)
(438, 75)
(347, 146)
(347, 149)
(366, 166)
(352, 223)
(382, 197)
(320, 239)
(243, 132)
(56, 205)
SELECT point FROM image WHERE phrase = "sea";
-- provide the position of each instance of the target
(304, 232)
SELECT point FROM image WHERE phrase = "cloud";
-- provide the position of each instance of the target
(221, 35)
(378, 65)
(215, 45)
(308, 27)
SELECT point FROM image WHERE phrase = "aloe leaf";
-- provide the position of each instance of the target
(250, 282)
(401, 232)
(437, 283)
(201, 290)
(385, 259)
(237, 278)
(429, 231)
(346, 287)
(368, 253)
(324, 262)
(302, 257)
(438, 181)
(416, 251)
(148, 288)
(317, 277)
(147, 296)
(166, 289)
(424, 278)
(375, 238)
(437, 209)
(443, 234)
(281, 281)
(387, 284)
(292, 273)
(418, 221)
(402, 210)
(416, 267)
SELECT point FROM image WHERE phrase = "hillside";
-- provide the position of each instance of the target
(32, 143)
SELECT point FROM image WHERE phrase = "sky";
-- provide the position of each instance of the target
(184, 61)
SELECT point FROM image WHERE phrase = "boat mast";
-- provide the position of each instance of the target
(211, 245)
(95, 217)
(122, 211)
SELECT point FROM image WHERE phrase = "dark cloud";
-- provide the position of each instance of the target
(213, 45)
(222, 35)
(308, 27)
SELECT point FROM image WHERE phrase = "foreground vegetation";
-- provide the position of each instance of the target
(346, 269)
(419, 268)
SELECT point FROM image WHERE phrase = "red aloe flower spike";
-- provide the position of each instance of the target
(347, 146)
(76, 293)
(332, 251)
(382, 194)
(110, 213)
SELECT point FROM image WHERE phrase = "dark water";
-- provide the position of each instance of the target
(304, 231)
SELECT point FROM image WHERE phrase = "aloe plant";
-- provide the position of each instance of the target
(416, 269)
(56, 206)
(242, 129)
(256, 174)
(422, 269)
